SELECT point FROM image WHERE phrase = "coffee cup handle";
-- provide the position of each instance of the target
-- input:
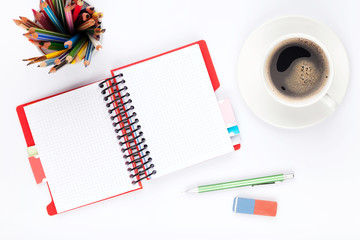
(329, 101)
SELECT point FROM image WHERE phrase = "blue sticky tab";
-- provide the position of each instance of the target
(244, 205)
(234, 130)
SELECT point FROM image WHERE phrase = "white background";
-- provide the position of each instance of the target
(321, 202)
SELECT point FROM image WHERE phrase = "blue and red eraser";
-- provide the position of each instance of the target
(254, 206)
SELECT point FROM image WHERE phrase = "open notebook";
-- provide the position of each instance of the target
(149, 119)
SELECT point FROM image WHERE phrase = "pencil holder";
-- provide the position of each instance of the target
(66, 32)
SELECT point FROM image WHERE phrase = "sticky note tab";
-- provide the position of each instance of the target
(234, 130)
(230, 122)
(228, 113)
(254, 206)
(37, 169)
(32, 151)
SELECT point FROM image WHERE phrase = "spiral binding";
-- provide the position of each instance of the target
(133, 142)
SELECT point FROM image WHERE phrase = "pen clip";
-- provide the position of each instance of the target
(265, 183)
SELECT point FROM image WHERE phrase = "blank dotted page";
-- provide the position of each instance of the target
(177, 109)
(78, 148)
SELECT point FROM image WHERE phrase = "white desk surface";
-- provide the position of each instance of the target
(321, 202)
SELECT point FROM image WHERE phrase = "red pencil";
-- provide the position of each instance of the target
(43, 21)
(77, 9)
(43, 12)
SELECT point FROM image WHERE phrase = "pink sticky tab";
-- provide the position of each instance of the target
(37, 169)
(227, 112)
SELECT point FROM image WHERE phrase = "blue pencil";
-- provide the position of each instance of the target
(89, 51)
(47, 63)
(72, 41)
(52, 17)
(45, 37)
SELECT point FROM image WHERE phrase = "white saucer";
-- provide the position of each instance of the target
(250, 80)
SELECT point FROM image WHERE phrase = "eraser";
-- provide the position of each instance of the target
(254, 206)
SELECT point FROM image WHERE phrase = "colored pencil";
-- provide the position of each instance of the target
(69, 19)
(86, 25)
(97, 15)
(83, 17)
(97, 23)
(40, 18)
(68, 29)
(81, 54)
(28, 22)
(72, 41)
(60, 11)
(49, 45)
(96, 36)
(62, 57)
(72, 6)
(44, 57)
(88, 9)
(51, 5)
(95, 42)
(76, 48)
(44, 37)
(47, 62)
(95, 30)
(47, 18)
(57, 67)
(52, 17)
(77, 9)
(89, 52)
(52, 33)
(21, 24)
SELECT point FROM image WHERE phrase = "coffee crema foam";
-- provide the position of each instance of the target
(297, 69)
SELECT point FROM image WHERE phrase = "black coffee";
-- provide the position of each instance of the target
(297, 68)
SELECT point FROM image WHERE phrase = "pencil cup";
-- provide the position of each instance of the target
(65, 31)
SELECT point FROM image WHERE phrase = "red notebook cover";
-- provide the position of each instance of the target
(35, 162)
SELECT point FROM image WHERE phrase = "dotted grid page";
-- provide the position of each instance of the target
(77, 145)
(177, 109)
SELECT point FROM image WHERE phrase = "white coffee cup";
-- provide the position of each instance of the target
(322, 95)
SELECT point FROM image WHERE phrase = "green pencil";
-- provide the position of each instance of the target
(242, 183)
(76, 48)
(60, 10)
(44, 31)
(52, 45)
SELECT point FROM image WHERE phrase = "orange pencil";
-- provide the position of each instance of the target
(21, 24)
(26, 21)
(86, 25)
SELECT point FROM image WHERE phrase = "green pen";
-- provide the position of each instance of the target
(242, 183)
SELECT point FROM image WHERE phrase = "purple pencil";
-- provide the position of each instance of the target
(62, 57)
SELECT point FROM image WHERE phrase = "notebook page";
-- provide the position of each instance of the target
(177, 109)
(78, 149)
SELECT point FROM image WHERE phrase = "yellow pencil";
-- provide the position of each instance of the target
(81, 53)
(44, 57)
